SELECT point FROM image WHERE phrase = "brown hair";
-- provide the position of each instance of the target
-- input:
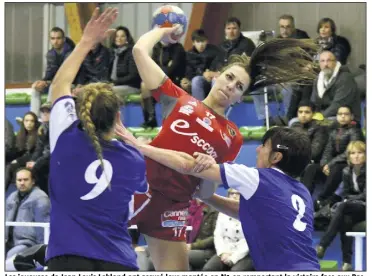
(324, 21)
(97, 106)
(288, 17)
(26, 140)
(279, 61)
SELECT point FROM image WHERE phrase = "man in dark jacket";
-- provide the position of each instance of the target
(288, 29)
(198, 61)
(96, 66)
(334, 87)
(61, 48)
(318, 134)
(234, 44)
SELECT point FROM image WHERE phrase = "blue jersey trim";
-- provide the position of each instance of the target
(61, 98)
(223, 176)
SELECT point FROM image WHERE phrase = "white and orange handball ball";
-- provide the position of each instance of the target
(168, 16)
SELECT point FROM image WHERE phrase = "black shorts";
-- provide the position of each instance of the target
(78, 263)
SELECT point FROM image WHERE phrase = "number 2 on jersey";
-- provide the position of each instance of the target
(299, 205)
(100, 183)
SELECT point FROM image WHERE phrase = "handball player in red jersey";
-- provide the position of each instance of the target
(193, 127)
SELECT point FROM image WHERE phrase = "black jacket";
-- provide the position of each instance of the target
(9, 141)
(338, 45)
(339, 138)
(318, 135)
(41, 155)
(96, 66)
(171, 59)
(126, 70)
(197, 63)
(55, 59)
(342, 90)
(232, 47)
(349, 190)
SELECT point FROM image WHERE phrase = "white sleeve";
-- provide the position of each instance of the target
(241, 178)
(62, 116)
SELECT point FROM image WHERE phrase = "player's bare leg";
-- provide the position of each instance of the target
(168, 255)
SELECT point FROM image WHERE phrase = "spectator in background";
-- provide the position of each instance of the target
(25, 146)
(123, 71)
(329, 40)
(61, 47)
(39, 163)
(171, 58)
(95, 67)
(200, 240)
(27, 204)
(353, 209)
(334, 158)
(318, 134)
(198, 61)
(232, 252)
(335, 87)
(235, 43)
(9, 141)
(288, 29)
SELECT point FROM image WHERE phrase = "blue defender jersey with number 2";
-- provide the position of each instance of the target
(88, 217)
(276, 212)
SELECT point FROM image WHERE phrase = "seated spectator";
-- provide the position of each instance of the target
(200, 240)
(123, 71)
(39, 163)
(172, 59)
(353, 209)
(95, 67)
(292, 94)
(25, 146)
(235, 43)
(334, 158)
(330, 41)
(198, 61)
(318, 133)
(27, 204)
(232, 252)
(288, 29)
(9, 141)
(61, 47)
(334, 87)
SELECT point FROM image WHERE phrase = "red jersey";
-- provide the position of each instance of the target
(190, 126)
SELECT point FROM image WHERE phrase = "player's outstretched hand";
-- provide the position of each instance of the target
(97, 29)
(126, 135)
(203, 162)
(172, 34)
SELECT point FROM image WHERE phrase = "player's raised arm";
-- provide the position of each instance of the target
(151, 74)
(95, 31)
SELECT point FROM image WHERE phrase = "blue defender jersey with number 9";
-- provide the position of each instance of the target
(276, 212)
(88, 217)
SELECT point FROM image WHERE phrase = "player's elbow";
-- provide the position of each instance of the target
(138, 51)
